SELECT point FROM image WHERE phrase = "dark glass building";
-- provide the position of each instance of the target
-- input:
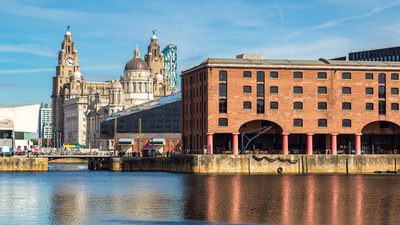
(155, 121)
(383, 54)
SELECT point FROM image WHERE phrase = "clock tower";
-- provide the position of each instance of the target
(67, 66)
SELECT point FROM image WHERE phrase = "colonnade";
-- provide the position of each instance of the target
(285, 143)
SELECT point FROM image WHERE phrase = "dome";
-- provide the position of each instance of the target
(68, 33)
(77, 74)
(154, 37)
(116, 85)
(136, 64)
(159, 77)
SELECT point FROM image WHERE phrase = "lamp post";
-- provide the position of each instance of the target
(115, 134)
(140, 133)
(90, 134)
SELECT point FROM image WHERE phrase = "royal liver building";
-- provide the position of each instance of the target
(79, 106)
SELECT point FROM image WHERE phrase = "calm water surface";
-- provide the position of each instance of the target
(73, 195)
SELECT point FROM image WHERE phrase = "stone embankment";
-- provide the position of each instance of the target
(260, 164)
(69, 161)
(23, 164)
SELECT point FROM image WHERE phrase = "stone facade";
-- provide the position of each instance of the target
(88, 103)
(243, 84)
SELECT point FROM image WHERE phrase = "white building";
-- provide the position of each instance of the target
(18, 124)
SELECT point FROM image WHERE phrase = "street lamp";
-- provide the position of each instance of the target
(140, 133)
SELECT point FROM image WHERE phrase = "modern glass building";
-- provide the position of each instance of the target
(171, 65)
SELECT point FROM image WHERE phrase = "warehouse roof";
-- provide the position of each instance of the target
(148, 105)
(305, 64)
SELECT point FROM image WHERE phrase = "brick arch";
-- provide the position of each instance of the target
(257, 123)
(392, 125)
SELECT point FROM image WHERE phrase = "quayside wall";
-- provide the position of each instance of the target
(23, 164)
(260, 164)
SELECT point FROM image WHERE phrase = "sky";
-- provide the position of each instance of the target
(106, 32)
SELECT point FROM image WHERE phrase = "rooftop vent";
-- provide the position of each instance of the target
(250, 56)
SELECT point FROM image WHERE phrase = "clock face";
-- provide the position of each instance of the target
(70, 62)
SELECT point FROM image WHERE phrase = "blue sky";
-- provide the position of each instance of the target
(105, 33)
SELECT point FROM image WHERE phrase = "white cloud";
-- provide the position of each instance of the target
(329, 48)
(22, 71)
(26, 49)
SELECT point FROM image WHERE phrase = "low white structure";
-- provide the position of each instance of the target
(17, 125)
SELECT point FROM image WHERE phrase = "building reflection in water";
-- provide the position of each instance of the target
(93, 198)
(285, 199)
(334, 182)
(68, 204)
(289, 199)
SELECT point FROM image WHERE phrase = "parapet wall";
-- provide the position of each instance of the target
(23, 164)
(268, 164)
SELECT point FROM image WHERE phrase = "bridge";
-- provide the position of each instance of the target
(100, 162)
(87, 157)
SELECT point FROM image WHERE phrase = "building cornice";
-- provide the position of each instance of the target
(288, 66)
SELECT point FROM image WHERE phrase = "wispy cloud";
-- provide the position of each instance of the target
(29, 49)
(375, 10)
(26, 10)
(23, 71)
(309, 50)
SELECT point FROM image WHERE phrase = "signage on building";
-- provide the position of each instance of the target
(6, 124)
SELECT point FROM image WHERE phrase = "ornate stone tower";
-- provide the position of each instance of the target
(67, 66)
(154, 57)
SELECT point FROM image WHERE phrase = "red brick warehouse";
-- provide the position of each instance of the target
(291, 106)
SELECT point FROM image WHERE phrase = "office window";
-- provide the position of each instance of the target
(321, 75)
(394, 76)
(346, 123)
(322, 105)
(298, 74)
(346, 105)
(260, 90)
(222, 122)
(369, 76)
(273, 89)
(297, 105)
(394, 91)
(346, 76)
(346, 90)
(273, 105)
(246, 105)
(260, 76)
(297, 122)
(394, 106)
(382, 78)
(246, 73)
(382, 108)
(322, 123)
(246, 89)
(260, 106)
(222, 75)
(298, 90)
(322, 90)
(222, 89)
(369, 106)
(273, 75)
(369, 91)
(222, 105)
